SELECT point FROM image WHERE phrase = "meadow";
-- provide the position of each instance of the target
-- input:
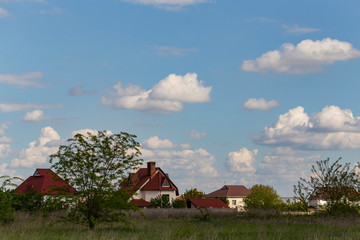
(243, 226)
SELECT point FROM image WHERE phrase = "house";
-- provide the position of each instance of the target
(150, 182)
(45, 181)
(324, 195)
(205, 203)
(235, 194)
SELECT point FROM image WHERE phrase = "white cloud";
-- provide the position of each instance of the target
(241, 161)
(37, 153)
(5, 147)
(4, 13)
(195, 134)
(167, 4)
(29, 79)
(306, 57)
(156, 143)
(260, 104)
(171, 50)
(331, 129)
(15, 107)
(35, 116)
(166, 96)
(78, 91)
(299, 30)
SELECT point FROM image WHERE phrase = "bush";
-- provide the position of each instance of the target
(177, 203)
(6, 210)
(262, 197)
(161, 201)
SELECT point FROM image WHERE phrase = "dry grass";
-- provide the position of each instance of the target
(243, 226)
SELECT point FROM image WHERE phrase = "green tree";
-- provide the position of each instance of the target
(262, 197)
(95, 165)
(6, 199)
(161, 201)
(336, 183)
(193, 193)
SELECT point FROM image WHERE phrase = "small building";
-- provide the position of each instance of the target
(235, 194)
(205, 203)
(45, 181)
(323, 195)
(149, 183)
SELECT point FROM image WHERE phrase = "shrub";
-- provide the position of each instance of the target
(177, 203)
(161, 201)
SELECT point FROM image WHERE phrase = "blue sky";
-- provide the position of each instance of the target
(218, 92)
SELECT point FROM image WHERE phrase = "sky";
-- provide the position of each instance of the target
(216, 91)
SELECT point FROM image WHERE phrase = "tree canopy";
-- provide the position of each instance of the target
(95, 165)
(262, 197)
(337, 183)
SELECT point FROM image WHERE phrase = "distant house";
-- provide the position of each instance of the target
(149, 183)
(323, 195)
(235, 194)
(205, 203)
(45, 181)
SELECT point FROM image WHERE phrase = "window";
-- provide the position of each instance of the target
(166, 183)
(166, 196)
(233, 202)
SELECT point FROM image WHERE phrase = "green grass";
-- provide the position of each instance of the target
(236, 227)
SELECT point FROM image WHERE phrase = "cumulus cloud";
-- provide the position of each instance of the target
(15, 107)
(171, 50)
(167, 4)
(35, 116)
(5, 171)
(4, 13)
(79, 90)
(299, 30)
(166, 96)
(5, 147)
(331, 129)
(241, 161)
(37, 153)
(156, 143)
(306, 57)
(260, 104)
(195, 134)
(30, 79)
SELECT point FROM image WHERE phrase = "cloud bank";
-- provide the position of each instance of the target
(168, 95)
(306, 57)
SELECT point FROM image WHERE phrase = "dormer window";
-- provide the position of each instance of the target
(166, 183)
(36, 173)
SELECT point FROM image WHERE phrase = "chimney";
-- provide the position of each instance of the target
(151, 168)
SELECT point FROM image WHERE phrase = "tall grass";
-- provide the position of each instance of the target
(243, 226)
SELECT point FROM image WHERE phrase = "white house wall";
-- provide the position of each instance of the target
(148, 195)
(239, 202)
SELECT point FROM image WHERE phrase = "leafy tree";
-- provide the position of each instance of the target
(6, 200)
(192, 193)
(335, 182)
(161, 201)
(178, 203)
(95, 165)
(262, 197)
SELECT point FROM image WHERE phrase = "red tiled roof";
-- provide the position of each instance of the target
(230, 191)
(45, 181)
(208, 202)
(140, 202)
(142, 180)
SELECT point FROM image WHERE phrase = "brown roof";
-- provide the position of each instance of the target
(207, 202)
(230, 191)
(140, 202)
(156, 182)
(45, 181)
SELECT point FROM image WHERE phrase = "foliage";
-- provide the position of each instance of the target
(335, 182)
(178, 203)
(192, 193)
(30, 201)
(203, 216)
(6, 200)
(262, 197)
(95, 165)
(160, 201)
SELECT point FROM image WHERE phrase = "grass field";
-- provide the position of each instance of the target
(235, 227)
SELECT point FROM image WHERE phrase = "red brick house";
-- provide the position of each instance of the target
(45, 181)
(149, 183)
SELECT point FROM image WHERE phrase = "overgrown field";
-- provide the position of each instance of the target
(235, 227)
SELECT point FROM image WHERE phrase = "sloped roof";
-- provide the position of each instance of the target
(208, 202)
(230, 191)
(45, 181)
(141, 180)
(140, 202)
